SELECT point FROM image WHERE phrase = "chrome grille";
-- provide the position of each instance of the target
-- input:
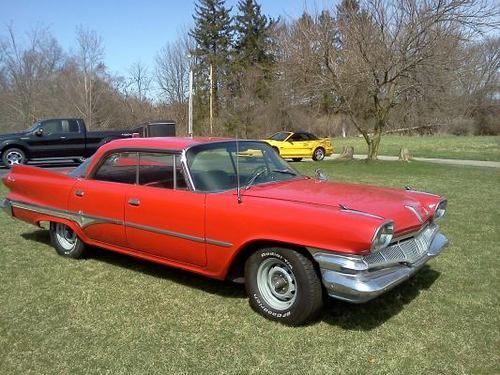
(408, 250)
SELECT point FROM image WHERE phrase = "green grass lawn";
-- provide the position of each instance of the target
(448, 147)
(114, 314)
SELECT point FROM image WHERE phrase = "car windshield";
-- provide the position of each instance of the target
(81, 170)
(32, 127)
(280, 136)
(214, 166)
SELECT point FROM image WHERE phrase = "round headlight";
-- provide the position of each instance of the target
(440, 210)
(383, 236)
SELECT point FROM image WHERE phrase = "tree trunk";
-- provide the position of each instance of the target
(373, 145)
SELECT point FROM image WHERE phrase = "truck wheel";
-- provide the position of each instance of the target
(65, 241)
(13, 156)
(319, 154)
(283, 285)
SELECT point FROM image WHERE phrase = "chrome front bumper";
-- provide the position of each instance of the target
(350, 278)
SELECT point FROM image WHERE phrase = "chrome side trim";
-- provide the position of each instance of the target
(80, 218)
(87, 220)
(165, 232)
(358, 212)
(179, 235)
(218, 243)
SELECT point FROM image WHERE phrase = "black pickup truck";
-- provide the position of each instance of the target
(67, 138)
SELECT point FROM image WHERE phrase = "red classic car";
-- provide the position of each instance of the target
(234, 210)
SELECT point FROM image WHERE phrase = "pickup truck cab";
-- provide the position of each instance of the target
(60, 138)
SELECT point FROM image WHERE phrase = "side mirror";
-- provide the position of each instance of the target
(39, 132)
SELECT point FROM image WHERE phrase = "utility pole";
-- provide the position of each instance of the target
(190, 114)
(211, 101)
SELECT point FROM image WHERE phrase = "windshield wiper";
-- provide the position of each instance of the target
(254, 177)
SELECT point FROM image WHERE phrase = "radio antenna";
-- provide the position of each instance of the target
(238, 184)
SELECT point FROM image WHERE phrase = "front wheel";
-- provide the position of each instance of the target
(319, 154)
(13, 156)
(65, 241)
(283, 285)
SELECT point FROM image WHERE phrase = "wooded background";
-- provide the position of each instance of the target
(362, 67)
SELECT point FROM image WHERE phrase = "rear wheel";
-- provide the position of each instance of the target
(65, 241)
(13, 156)
(283, 285)
(276, 149)
(319, 154)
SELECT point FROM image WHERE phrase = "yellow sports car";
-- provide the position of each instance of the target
(298, 145)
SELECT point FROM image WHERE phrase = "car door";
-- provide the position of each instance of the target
(100, 198)
(298, 145)
(57, 138)
(164, 218)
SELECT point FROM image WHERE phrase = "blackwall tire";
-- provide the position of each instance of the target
(65, 241)
(13, 156)
(283, 285)
(318, 154)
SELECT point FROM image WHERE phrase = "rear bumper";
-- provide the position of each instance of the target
(347, 279)
(6, 206)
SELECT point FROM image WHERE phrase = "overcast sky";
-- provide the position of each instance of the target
(132, 30)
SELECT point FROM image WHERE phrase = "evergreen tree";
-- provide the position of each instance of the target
(253, 58)
(253, 39)
(212, 34)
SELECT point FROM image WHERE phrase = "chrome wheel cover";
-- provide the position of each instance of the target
(319, 154)
(277, 283)
(14, 157)
(65, 237)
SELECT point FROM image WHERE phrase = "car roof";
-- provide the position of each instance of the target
(167, 143)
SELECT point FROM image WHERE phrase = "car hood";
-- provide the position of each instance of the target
(12, 135)
(408, 209)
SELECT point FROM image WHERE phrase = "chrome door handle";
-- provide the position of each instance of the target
(62, 138)
(79, 193)
(134, 202)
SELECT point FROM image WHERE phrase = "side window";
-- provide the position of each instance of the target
(298, 137)
(119, 167)
(161, 170)
(51, 127)
(310, 136)
(70, 126)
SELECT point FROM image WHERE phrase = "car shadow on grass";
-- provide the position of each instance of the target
(348, 316)
(186, 278)
(374, 313)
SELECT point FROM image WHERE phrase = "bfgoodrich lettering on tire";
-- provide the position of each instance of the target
(65, 241)
(283, 285)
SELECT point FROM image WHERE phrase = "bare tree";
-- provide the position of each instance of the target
(90, 61)
(173, 64)
(172, 69)
(139, 81)
(27, 69)
(386, 47)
